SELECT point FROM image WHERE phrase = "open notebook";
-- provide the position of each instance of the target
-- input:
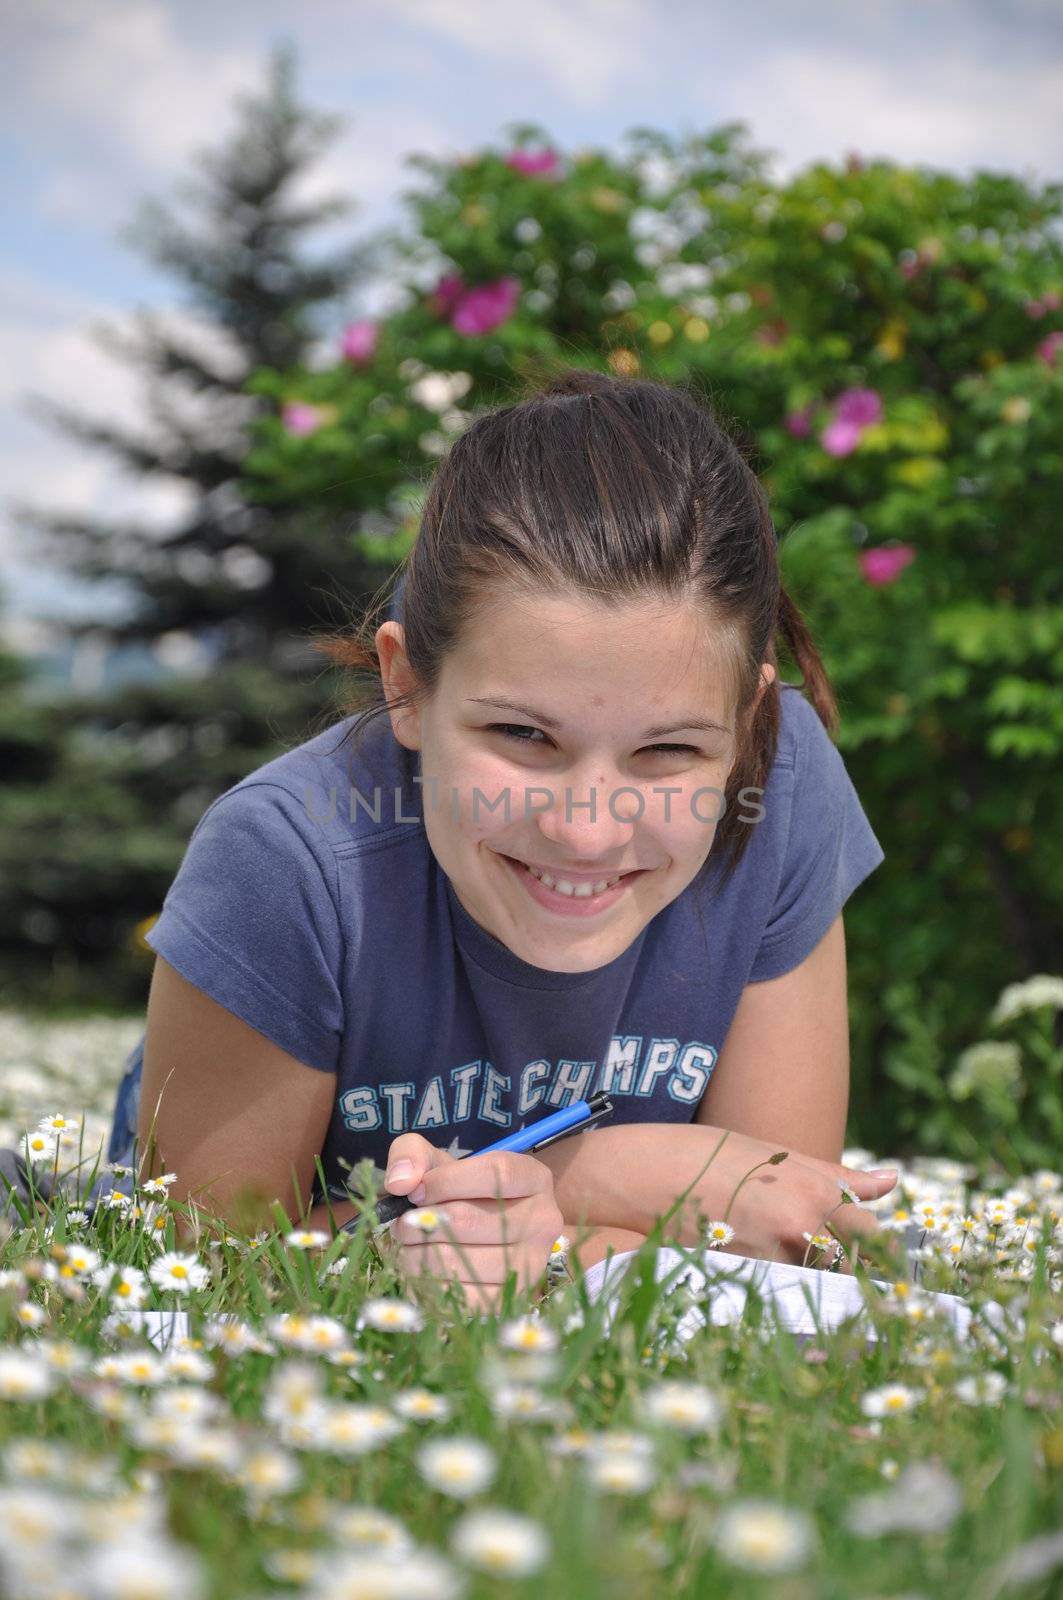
(805, 1300)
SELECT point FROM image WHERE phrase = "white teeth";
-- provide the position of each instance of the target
(580, 891)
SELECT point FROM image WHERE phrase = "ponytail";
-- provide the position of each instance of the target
(814, 680)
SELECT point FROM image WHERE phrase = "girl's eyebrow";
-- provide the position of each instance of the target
(552, 722)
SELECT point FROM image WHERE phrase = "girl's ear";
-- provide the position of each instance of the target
(398, 679)
(768, 675)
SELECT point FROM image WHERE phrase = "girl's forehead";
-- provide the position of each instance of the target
(581, 654)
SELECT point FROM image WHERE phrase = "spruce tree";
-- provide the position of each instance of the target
(245, 572)
(247, 582)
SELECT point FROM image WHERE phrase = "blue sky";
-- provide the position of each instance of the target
(106, 101)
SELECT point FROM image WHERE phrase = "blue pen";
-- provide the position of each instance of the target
(571, 1119)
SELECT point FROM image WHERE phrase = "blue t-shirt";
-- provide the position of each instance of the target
(341, 939)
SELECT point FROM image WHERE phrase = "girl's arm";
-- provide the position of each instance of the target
(782, 1076)
(238, 1119)
(783, 1072)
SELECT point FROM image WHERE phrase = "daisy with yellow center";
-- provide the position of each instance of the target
(890, 1400)
(717, 1234)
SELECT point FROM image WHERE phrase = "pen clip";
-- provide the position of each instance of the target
(577, 1127)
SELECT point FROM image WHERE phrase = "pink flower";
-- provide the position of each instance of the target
(854, 410)
(359, 341)
(1048, 302)
(448, 291)
(1048, 349)
(840, 438)
(885, 563)
(299, 418)
(533, 163)
(861, 406)
(487, 307)
(799, 423)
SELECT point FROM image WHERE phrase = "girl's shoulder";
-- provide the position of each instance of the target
(345, 786)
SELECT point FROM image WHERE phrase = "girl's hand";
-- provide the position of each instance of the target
(779, 1204)
(501, 1214)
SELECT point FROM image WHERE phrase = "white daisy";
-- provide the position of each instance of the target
(501, 1543)
(421, 1405)
(353, 1430)
(717, 1234)
(126, 1285)
(687, 1407)
(982, 1389)
(391, 1314)
(267, 1470)
(178, 1272)
(889, 1400)
(420, 1575)
(142, 1567)
(39, 1146)
(24, 1376)
(188, 1364)
(29, 1315)
(81, 1258)
(307, 1239)
(763, 1537)
(620, 1472)
(138, 1366)
(528, 1333)
(159, 1185)
(369, 1529)
(58, 1124)
(457, 1466)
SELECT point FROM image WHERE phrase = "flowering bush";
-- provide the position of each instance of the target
(884, 343)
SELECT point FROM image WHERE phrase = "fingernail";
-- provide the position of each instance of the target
(885, 1173)
(418, 1193)
(401, 1169)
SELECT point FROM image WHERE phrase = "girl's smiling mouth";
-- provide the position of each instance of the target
(566, 897)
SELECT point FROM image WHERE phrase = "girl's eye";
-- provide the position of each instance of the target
(516, 732)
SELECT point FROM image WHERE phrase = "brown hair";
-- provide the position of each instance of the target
(618, 489)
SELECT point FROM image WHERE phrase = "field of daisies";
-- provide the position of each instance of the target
(312, 1429)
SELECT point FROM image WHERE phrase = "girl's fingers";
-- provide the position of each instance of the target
(488, 1263)
(479, 1222)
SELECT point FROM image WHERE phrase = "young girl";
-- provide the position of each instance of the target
(580, 838)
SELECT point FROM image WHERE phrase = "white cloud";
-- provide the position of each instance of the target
(958, 114)
(46, 349)
(129, 99)
(587, 49)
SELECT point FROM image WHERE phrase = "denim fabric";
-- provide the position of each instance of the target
(123, 1130)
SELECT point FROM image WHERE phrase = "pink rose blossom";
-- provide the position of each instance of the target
(840, 438)
(1049, 348)
(861, 406)
(359, 341)
(799, 423)
(885, 562)
(533, 163)
(448, 291)
(482, 309)
(300, 418)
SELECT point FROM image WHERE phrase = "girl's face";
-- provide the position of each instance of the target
(605, 708)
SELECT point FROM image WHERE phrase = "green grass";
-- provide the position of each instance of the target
(293, 1464)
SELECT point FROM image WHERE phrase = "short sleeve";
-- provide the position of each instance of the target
(251, 919)
(830, 849)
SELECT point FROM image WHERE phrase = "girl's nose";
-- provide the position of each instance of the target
(587, 823)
